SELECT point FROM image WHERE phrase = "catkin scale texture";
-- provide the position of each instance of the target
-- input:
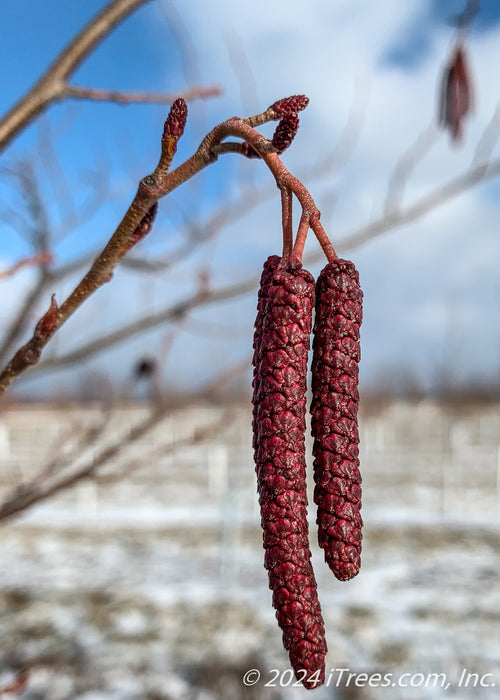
(281, 344)
(334, 410)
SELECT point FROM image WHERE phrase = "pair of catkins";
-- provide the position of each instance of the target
(287, 298)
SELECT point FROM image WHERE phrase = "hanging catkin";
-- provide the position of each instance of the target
(281, 344)
(334, 411)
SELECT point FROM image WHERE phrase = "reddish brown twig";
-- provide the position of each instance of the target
(43, 258)
(16, 685)
(298, 248)
(137, 96)
(287, 224)
(29, 354)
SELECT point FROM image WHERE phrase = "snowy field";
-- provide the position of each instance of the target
(153, 588)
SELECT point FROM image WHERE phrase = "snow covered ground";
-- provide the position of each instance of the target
(154, 588)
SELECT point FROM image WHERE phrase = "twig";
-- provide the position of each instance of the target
(43, 258)
(193, 93)
(27, 495)
(160, 183)
(407, 162)
(174, 312)
(425, 204)
(298, 248)
(286, 222)
(199, 435)
(17, 685)
(488, 140)
(41, 487)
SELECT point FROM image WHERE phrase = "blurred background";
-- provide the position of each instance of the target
(130, 527)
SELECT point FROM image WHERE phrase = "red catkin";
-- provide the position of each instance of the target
(289, 105)
(456, 94)
(176, 120)
(334, 410)
(281, 344)
(285, 132)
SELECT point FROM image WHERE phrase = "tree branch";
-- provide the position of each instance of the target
(160, 183)
(425, 204)
(83, 93)
(53, 83)
(145, 322)
(42, 258)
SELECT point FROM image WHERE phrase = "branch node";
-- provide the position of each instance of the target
(48, 323)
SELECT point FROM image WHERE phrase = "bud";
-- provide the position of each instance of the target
(48, 323)
(456, 94)
(145, 225)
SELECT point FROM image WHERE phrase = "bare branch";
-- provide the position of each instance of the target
(171, 313)
(407, 162)
(28, 494)
(43, 258)
(47, 484)
(488, 140)
(424, 205)
(52, 84)
(193, 93)
(160, 183)
(17, 685)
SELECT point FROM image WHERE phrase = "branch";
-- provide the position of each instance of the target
(349, 241)
(53, 83)
(171, 313)
(33, 492)
(43, 258)
(43, 487)
(406, 163)
(83, 93)
(425, 204)
(160, 183)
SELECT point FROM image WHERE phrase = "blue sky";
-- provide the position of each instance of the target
(431, 288)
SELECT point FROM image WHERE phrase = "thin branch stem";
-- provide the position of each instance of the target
(174, 312)
(84, 93)
(287, 223)
(298, 248)
(425, 204)
(42, 258)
